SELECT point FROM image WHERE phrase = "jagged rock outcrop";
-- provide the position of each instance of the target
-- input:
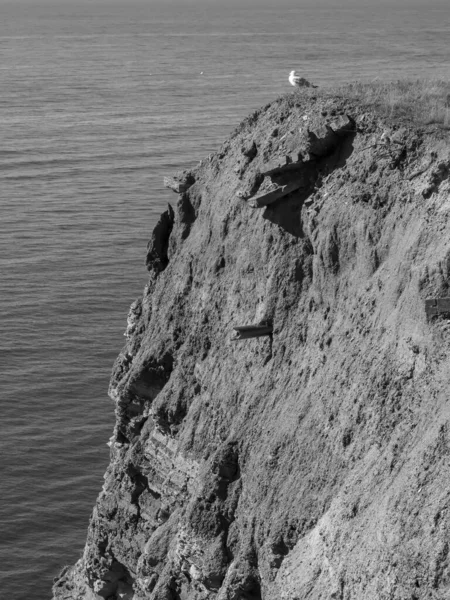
(312, 462)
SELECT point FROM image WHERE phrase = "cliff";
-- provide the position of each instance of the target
(312, 462)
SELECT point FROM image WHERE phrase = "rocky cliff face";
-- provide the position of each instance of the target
(313, 462)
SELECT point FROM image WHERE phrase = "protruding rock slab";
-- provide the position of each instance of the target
(343, 125)
(322, 140)
(318, 137)
(281, 164)
(251, 331)
(275, 193)
(176, 185)
(437, 306)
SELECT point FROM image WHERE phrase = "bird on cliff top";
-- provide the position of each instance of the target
(297, 81)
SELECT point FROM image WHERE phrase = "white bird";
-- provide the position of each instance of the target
(297, 81)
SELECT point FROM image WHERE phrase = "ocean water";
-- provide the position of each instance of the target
(98, 101)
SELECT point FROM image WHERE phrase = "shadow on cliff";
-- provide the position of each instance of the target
(286, 213)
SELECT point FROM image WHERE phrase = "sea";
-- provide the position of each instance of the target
(99, 101)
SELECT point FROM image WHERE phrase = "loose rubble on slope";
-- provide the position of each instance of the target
(312, 461)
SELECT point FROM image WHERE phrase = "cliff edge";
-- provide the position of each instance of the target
(312, 462)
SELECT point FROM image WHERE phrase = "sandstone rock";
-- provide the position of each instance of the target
(321, 140)
(343, 125)
(250, 150)
(273, 193)
(181, 183)
(289, 162)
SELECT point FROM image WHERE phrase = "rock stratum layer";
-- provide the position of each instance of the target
(312, 462)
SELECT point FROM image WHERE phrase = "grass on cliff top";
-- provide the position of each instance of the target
(424, 101)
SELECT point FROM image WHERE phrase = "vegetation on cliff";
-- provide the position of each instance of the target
(422, 102)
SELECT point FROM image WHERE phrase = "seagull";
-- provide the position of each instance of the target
(297, 81)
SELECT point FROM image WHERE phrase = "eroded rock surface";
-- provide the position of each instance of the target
(312, 463)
